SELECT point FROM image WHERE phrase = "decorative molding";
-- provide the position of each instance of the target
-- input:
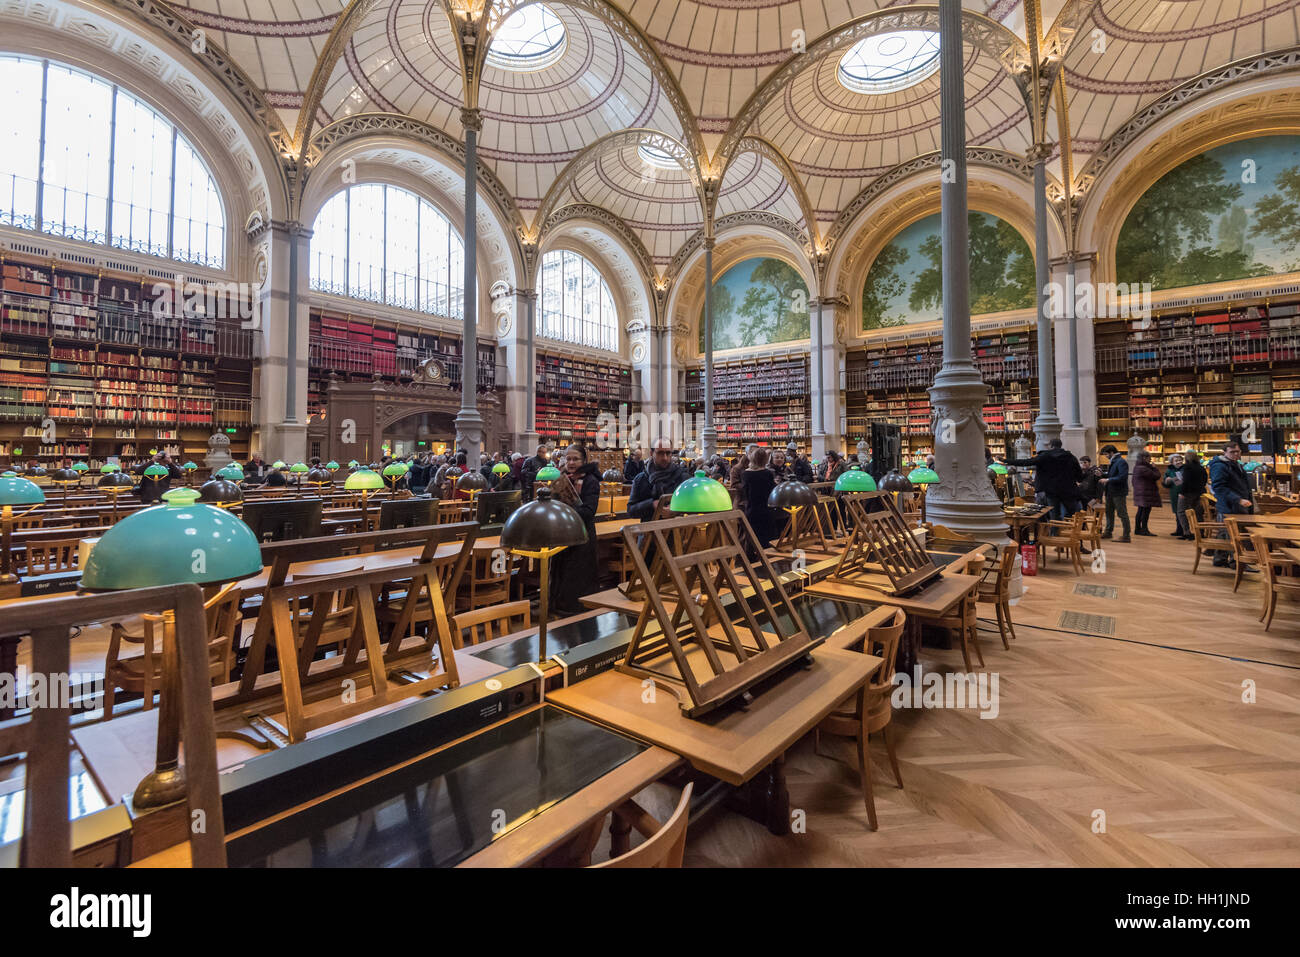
(607, 220)
(752, 217)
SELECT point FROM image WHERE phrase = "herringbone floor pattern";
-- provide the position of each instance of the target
(1148, 728)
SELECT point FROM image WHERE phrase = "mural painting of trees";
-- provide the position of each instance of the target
(1230, 213)
(905, 283)
(757, 302)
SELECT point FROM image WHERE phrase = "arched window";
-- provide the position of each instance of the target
(82, 158)
(386, 244)
(576, 302)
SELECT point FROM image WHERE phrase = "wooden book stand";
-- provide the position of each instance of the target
(802, 531)
(716, 659)
(881, 541)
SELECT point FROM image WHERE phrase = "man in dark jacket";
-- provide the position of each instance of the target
(1195, 481)
(799, 464)
(1089, 486)
(1116, 485)
(1231, 494)
(150, 489)
(1057, 474)
(661, 478)
(633, 467)
(531, 468)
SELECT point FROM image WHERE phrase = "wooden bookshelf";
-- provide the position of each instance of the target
(763, 400)
(572, 394)
(117, 372)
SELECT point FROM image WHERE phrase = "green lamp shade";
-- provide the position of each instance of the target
(230, 474)
(501, 469)
(363, 480)
(472, 481)
(612, 475)
(9, 473)
(219, 491)
(855, 480)
(997, 468)
(19, 491)
(118, 480)
(157, 471)
(190, 467)
(332, 465)
(543, 523)
(700, 494)
(353, 464)
(299, 468)
(548, 473)
(923, 476)
(182, 542)
(791, 494)
(279, 464)
(396, 470)
(1251, 466)
(107, 468)
(896, 481)
(81, 467)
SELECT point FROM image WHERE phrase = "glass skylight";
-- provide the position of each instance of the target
(890, 61)
(658, 158)
(531, 39)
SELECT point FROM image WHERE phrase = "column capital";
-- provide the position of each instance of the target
(1074, 256)
(709, 242)
(1039, 153)
(528, 295)
(471, 118)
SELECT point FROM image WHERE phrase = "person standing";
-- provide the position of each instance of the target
(657, 483)
(573, 570)
(532, 467)
(151, 490)
(1089, 489)
(835, 465)
(1173, 481)
(633, 467)
(1195, 481)
(1146, 491)
(1056, 476)
(1115, 485)
(758, 482)
(800, 465)
(778, 466)
(1231, 495)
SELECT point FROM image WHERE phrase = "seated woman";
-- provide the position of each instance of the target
(573, 571)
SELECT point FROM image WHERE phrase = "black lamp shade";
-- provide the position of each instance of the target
(65, 476)
(543, 523)
(319, 476)
(896, 481)
(791, 494)
(35, 471)
(115, 479)
(612, 475)
(472, 481)
(220, 492)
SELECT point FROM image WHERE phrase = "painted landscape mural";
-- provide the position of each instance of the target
(1229, 213)
(756, 303)
(905, 282)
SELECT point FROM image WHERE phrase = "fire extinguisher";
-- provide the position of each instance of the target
(1029, 559)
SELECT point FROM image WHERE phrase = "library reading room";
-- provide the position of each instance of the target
(622, 433)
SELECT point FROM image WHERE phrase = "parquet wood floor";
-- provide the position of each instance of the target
(1148, 727)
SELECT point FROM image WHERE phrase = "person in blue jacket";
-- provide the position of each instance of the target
(1115, 485)
(1231, 490)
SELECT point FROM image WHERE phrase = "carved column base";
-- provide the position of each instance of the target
(964, 500)
(469, 434)
(709, 440)
(1046, 428)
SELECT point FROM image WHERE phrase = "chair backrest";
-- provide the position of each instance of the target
(1243, 545)
(43, 558)
(883, 642)
(1268, 559)
(31, 520)
(947, 534)
(666, 847)
(485, 624)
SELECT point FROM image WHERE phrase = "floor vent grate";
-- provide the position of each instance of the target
(1083, 623)
(1096, 591)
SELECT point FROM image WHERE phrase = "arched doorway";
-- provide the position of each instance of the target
(420, 432)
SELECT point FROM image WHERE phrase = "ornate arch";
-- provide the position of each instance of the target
(763, 147)
(747, 220)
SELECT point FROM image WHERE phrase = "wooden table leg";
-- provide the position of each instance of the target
(9, 667)
(764, 798)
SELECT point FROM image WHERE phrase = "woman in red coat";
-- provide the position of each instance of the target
(1146, 491)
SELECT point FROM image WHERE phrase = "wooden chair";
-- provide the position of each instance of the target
(663, 846)
(485, 624)
(1205, 536)
(947, 534)
(43, 558)
(1243, 551)
(871, 709)
(995, 589)
(1279, 577)
(30, 520)
(143, 673)
(449, 513)
(1063, 536)
(486, 584)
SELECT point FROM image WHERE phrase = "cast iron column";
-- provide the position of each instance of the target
(469, 424)
(1047, 425)
(708, 435)
(964, 499)
(1076, 413)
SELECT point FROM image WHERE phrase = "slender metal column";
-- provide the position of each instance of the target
(291, 341)
(964, 498)
(709, 434)
(1076, 410)
(530, 357)
(1047, 425)
(469, 423)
